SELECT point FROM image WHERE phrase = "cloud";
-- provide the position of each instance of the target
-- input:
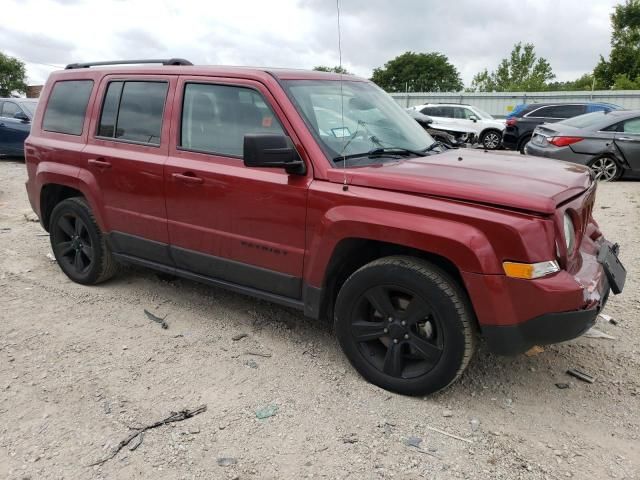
(303, 33)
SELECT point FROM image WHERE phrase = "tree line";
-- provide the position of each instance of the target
(522, 70)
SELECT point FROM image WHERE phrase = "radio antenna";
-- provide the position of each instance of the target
(345, 187)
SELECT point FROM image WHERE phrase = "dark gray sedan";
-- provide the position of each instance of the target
(607, 142)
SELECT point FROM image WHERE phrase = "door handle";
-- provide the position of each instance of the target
(626, 139)
(99, 162)
(187, 178)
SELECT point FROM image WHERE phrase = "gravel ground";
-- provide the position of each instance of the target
(81, 366)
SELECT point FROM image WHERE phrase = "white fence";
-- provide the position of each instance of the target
(501, 103)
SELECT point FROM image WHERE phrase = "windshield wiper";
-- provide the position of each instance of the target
(382, 151)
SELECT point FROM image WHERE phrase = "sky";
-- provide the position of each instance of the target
(474, 34)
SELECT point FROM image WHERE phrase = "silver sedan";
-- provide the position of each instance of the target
(609, 143)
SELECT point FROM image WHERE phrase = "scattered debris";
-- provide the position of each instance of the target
(250, 363)
(258, 354)
(350, 438)
(447, 414)
(156, 319)
(574, 372)
(604, 207)
(562, 385)
(413, 442)
(533, 351)
(136, 442)
(5, 229)
(608, 318)
(137, 432)
(433, 429)
(226, 461)
(239, 336)
(266, 412)
(45, 234)
(30, 217)
(595, 333)
(475, 424)
(50, 257)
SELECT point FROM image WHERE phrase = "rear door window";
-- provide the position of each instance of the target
(632, 126)
(67, 107)
(215, 118)
(132, 111)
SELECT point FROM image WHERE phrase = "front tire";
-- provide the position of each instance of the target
(523, 144)
(79, 246)
(606, 169)
(405, 325)
(491, 140)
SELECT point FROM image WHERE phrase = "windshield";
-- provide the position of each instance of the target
(484, 115)
(586, 120)
(366, 120)
(30, 107)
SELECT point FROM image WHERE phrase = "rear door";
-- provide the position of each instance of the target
(627, 139)
(126, 152)
(227, 221)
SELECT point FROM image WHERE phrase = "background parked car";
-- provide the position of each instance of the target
(454, 117)
(441, 136)
(523, 120)
(609, 142)
(15, 124)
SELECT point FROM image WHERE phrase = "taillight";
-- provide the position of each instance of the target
(511, 121)
(564, 141)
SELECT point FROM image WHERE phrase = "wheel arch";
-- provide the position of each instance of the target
(55, 186)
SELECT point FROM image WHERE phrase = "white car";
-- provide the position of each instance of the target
(456, 117)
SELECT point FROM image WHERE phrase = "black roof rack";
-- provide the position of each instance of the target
(163, 61)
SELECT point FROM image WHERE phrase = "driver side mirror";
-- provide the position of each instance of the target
(21, 116)
(473, 118)
(272, 151)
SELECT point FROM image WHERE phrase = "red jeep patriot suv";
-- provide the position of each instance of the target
(318, 192)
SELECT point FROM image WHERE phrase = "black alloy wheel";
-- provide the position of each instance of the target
(405, 325)
(79, 246)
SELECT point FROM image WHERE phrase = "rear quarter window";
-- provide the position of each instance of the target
(67, 107)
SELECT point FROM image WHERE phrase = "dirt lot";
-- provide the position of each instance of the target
(80, 366)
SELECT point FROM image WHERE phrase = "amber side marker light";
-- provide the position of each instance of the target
(530, 271)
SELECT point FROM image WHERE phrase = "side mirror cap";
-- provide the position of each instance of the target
(272, 151)
(473, 118)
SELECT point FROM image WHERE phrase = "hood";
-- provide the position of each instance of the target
(505, 180)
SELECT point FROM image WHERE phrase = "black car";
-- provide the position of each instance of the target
(524, 120)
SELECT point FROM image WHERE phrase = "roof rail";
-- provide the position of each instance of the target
(163, 61)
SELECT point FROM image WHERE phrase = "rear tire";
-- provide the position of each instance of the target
(491, 139)
(79, 246)
(405, 325)
(607, 169)
(523, 144)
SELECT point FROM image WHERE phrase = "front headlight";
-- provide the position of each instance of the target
(569, 233)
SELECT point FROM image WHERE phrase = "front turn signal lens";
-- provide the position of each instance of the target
(530, 271)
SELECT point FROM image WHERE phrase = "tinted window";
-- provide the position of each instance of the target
(140, 114)
(9, 109)
(632, 126)
(560, 111)
(432, 111)
(215, 118)
(447, 112)
(67, 106)
(106, 127)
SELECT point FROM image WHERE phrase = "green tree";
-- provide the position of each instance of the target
(12, 75)
(418, 72)
(623, 82)
(336, 69)
(624, 58)
(523, 71)
(584, 83)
